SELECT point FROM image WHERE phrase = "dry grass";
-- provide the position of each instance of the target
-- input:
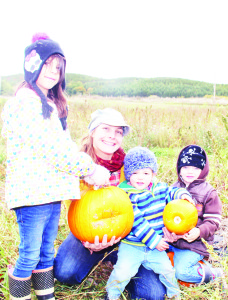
(163, 125)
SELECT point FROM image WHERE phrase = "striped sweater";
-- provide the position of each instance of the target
(148, 206)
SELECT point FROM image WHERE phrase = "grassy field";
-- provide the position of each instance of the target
(163, 125)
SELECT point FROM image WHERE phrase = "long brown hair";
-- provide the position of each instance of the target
(56, 94)
(87, 147)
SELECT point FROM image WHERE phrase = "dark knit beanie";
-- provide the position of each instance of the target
(36, 54)
(192, 156)
(139, 158)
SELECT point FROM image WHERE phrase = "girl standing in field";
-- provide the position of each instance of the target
(43, 166)
(75, 259)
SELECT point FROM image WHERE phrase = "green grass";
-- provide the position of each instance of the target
(163, 127)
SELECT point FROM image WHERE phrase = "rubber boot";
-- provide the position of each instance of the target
(43, 283)
(209, 273)
(19, 288)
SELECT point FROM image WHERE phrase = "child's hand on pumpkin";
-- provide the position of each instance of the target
(100, 246)
(100, 176)
(170, 237)
(162, 245)
(192, 235)
(188, 198)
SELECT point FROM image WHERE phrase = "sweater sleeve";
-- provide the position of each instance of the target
(42, 138)
(211, 216)
(175, 193)
(141, 227)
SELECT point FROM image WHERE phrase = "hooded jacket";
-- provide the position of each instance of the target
(209, 209)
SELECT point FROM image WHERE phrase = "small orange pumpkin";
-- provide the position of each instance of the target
(180, 216)
(107, 210)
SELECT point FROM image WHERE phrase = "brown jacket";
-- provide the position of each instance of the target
(209, 209)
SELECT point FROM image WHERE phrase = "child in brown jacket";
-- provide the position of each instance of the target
(189, 249)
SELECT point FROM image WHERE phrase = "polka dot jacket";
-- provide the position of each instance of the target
(43, 163)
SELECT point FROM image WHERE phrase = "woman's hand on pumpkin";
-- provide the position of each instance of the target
(100, 176)
(188, 198)
(162, 245)
(192, 235)
(100, 246)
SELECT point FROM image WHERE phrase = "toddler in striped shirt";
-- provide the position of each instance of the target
(145, 244)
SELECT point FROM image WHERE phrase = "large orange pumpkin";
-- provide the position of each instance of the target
(107, 210)
(180, 216)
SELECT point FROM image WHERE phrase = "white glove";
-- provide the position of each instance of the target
(99, 177)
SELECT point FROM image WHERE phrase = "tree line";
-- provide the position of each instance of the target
(132, 87)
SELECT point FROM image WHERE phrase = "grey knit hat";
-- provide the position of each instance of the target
(139, 158)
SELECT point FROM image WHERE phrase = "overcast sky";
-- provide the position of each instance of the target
(122, 38)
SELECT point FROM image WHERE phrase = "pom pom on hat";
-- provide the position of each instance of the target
(139, 158)
(40, 36)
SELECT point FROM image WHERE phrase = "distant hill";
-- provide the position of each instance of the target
(144, 87)
(14, 79)
(129, 86)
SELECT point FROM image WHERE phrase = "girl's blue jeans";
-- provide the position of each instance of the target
(73, 263)
(130, 258)
(186, 265)
(38, 227)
